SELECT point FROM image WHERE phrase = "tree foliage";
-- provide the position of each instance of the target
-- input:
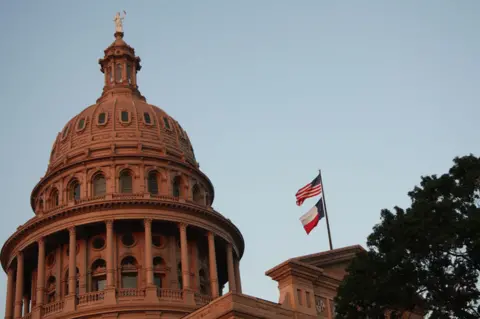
(427, 255)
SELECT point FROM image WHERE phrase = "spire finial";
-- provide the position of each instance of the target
(119, 22)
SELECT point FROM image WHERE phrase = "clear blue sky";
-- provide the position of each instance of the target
(375, 93)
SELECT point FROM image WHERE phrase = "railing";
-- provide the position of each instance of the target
(171, 294)
(163, 197)
(131, 292)
(52, 307)
(27, 316)
(91, 297)
(90, 199)
(127, 196)
(202, 300)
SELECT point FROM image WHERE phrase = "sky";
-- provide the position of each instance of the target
(374, 93)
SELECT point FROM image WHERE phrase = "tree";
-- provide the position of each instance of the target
(427, 255)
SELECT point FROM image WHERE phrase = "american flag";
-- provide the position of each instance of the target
(310, 190)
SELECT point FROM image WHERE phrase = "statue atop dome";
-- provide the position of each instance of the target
(119, 21)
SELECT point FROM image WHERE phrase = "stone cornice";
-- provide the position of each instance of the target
(66, 214)
(294, 268)
(331, 256)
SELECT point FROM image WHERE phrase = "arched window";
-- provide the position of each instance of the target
(176, 186)
(99, 275)
(158, 275)
(129, 73)
(125, 182)
(51, 289)
(179, 276)
(203, 282)
(129, 272)
(74, 190)
(152, 182)
(197, 194)
(99, 185)
(118, 73)
(54, 198)
(67, 281)
(110, 73)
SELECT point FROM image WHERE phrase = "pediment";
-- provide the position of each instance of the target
(334, 261)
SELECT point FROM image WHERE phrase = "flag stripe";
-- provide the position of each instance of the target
(310, 190)
(312, 217)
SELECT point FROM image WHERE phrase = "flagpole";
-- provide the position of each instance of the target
(326, 214)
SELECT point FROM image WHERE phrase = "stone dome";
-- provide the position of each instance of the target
(121, 122)
(125, 206)
(119, 125)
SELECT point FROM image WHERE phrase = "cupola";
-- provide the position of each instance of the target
(120, 67)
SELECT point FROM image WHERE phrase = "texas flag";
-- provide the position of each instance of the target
(313, 216)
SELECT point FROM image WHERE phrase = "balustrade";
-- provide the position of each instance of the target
(127, 196)
(131, 292)
(91, 297)
(53, 307)
(114, 196)
(202, 300)
(99, 296)
(171, 294)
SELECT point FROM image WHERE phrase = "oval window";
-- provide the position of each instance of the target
(65, 132)
(167, 123)
(124, 116)
(98, 243)
(128, 240)
(81, 124)
(146, 117)
(102, 117)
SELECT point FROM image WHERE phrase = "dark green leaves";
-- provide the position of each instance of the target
(427, 255)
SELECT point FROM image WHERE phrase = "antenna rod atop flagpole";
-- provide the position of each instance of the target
(325, 208)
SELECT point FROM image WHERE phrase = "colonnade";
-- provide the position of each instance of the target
(15, 294)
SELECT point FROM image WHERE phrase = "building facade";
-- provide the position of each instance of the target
(124, 226)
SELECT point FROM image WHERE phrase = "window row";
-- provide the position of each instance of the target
(125, 186)
(124, 117)
(129, 273)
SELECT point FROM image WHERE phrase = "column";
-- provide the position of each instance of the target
(230, 268)
(110, 265)
(19, 286)
(238, 280)
(72, 265)
(148, 252)
(212, 263)
(184, 251)
(41, 272)
(9, 302)
(26, 304)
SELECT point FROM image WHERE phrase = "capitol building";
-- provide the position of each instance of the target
(123, 225)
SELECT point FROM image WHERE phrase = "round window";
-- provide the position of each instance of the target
(128, 239)
(157, 240)
(98, 243)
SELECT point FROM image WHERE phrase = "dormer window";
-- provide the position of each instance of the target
(81, 124)
(146, 117)
(167, 123)
(118, 73)
(65, 132)
(124, 117)
(102, 118)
